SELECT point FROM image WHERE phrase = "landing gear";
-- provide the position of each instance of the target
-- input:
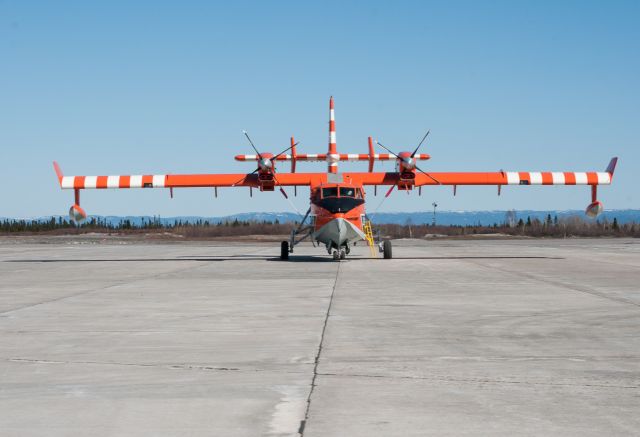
(284, 251)
(338, 253)
(386, 249)
(301, 233)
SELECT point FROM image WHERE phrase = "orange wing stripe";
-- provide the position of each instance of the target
(569, 178)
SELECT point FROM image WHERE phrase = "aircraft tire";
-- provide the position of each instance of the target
(343, 254)
(336, 255)
(284, 251)
(386, 249)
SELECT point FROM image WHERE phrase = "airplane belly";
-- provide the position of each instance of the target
(338, 231)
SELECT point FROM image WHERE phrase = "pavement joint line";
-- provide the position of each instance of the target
(303, 422)
(474, 380)
(69, 296)
(115, 363)
(147, 365)
(560, 284)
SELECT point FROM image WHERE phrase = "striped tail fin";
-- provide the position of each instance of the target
(332, 155)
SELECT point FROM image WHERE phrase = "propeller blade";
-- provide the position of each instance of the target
(423, 138)
(284, 151)
(244, 177)
(390, 190)
(284, 193)
(431, 177)
(251, 142)
(381, 145)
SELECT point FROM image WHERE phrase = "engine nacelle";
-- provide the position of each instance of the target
(77, 214)
(594, 209)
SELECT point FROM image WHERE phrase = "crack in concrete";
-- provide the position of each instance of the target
(303, 422)
(560, 284)
(475, 380)
(69, 296)
(115, 363)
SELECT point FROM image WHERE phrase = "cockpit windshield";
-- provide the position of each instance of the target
(347, 192)
(330, 192)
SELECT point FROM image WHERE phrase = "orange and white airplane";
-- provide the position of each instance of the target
(336, 217)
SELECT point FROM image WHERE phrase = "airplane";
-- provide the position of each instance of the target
(336, 217)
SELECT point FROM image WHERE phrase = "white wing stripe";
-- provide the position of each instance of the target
(90, 181)
(135, 181)
(557, 178)
(581, 178)
(535, 177)
(67, 181)
(158, 181)
(604, 178)
(513, 178)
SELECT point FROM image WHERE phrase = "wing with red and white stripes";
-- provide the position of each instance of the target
(180, 180)
(493, 178)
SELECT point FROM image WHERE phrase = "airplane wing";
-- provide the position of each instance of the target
(307, 179)
(492, 178)
(178, 180)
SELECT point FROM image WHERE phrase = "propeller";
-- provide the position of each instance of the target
(264, 163)
(409, 161)
(420, 144)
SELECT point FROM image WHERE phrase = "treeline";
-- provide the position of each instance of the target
(199, 228)
(550, 227)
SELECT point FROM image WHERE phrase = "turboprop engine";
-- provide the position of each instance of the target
(77, 214)
(406, 161)
(265, 162)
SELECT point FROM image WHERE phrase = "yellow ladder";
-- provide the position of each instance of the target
(368, 232)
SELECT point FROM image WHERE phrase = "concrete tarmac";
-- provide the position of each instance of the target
(450, 338)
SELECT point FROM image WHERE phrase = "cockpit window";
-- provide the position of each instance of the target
(347, 192)
(330, 192)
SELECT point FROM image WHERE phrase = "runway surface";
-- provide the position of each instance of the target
(451, 338)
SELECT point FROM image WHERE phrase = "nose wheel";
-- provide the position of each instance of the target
(339, 254)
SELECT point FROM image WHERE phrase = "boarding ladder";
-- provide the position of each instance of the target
(368, 233)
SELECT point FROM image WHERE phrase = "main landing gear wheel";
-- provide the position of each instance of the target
(284, 251)
(386, 249)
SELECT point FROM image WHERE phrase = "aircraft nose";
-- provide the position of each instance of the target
(341, 229)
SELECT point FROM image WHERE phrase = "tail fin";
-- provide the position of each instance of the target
(332, 156)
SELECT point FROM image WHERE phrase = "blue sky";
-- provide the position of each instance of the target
(167, 87)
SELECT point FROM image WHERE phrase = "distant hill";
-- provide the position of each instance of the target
(442, 217)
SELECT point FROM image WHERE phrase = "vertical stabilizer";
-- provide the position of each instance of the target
(332, 155)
